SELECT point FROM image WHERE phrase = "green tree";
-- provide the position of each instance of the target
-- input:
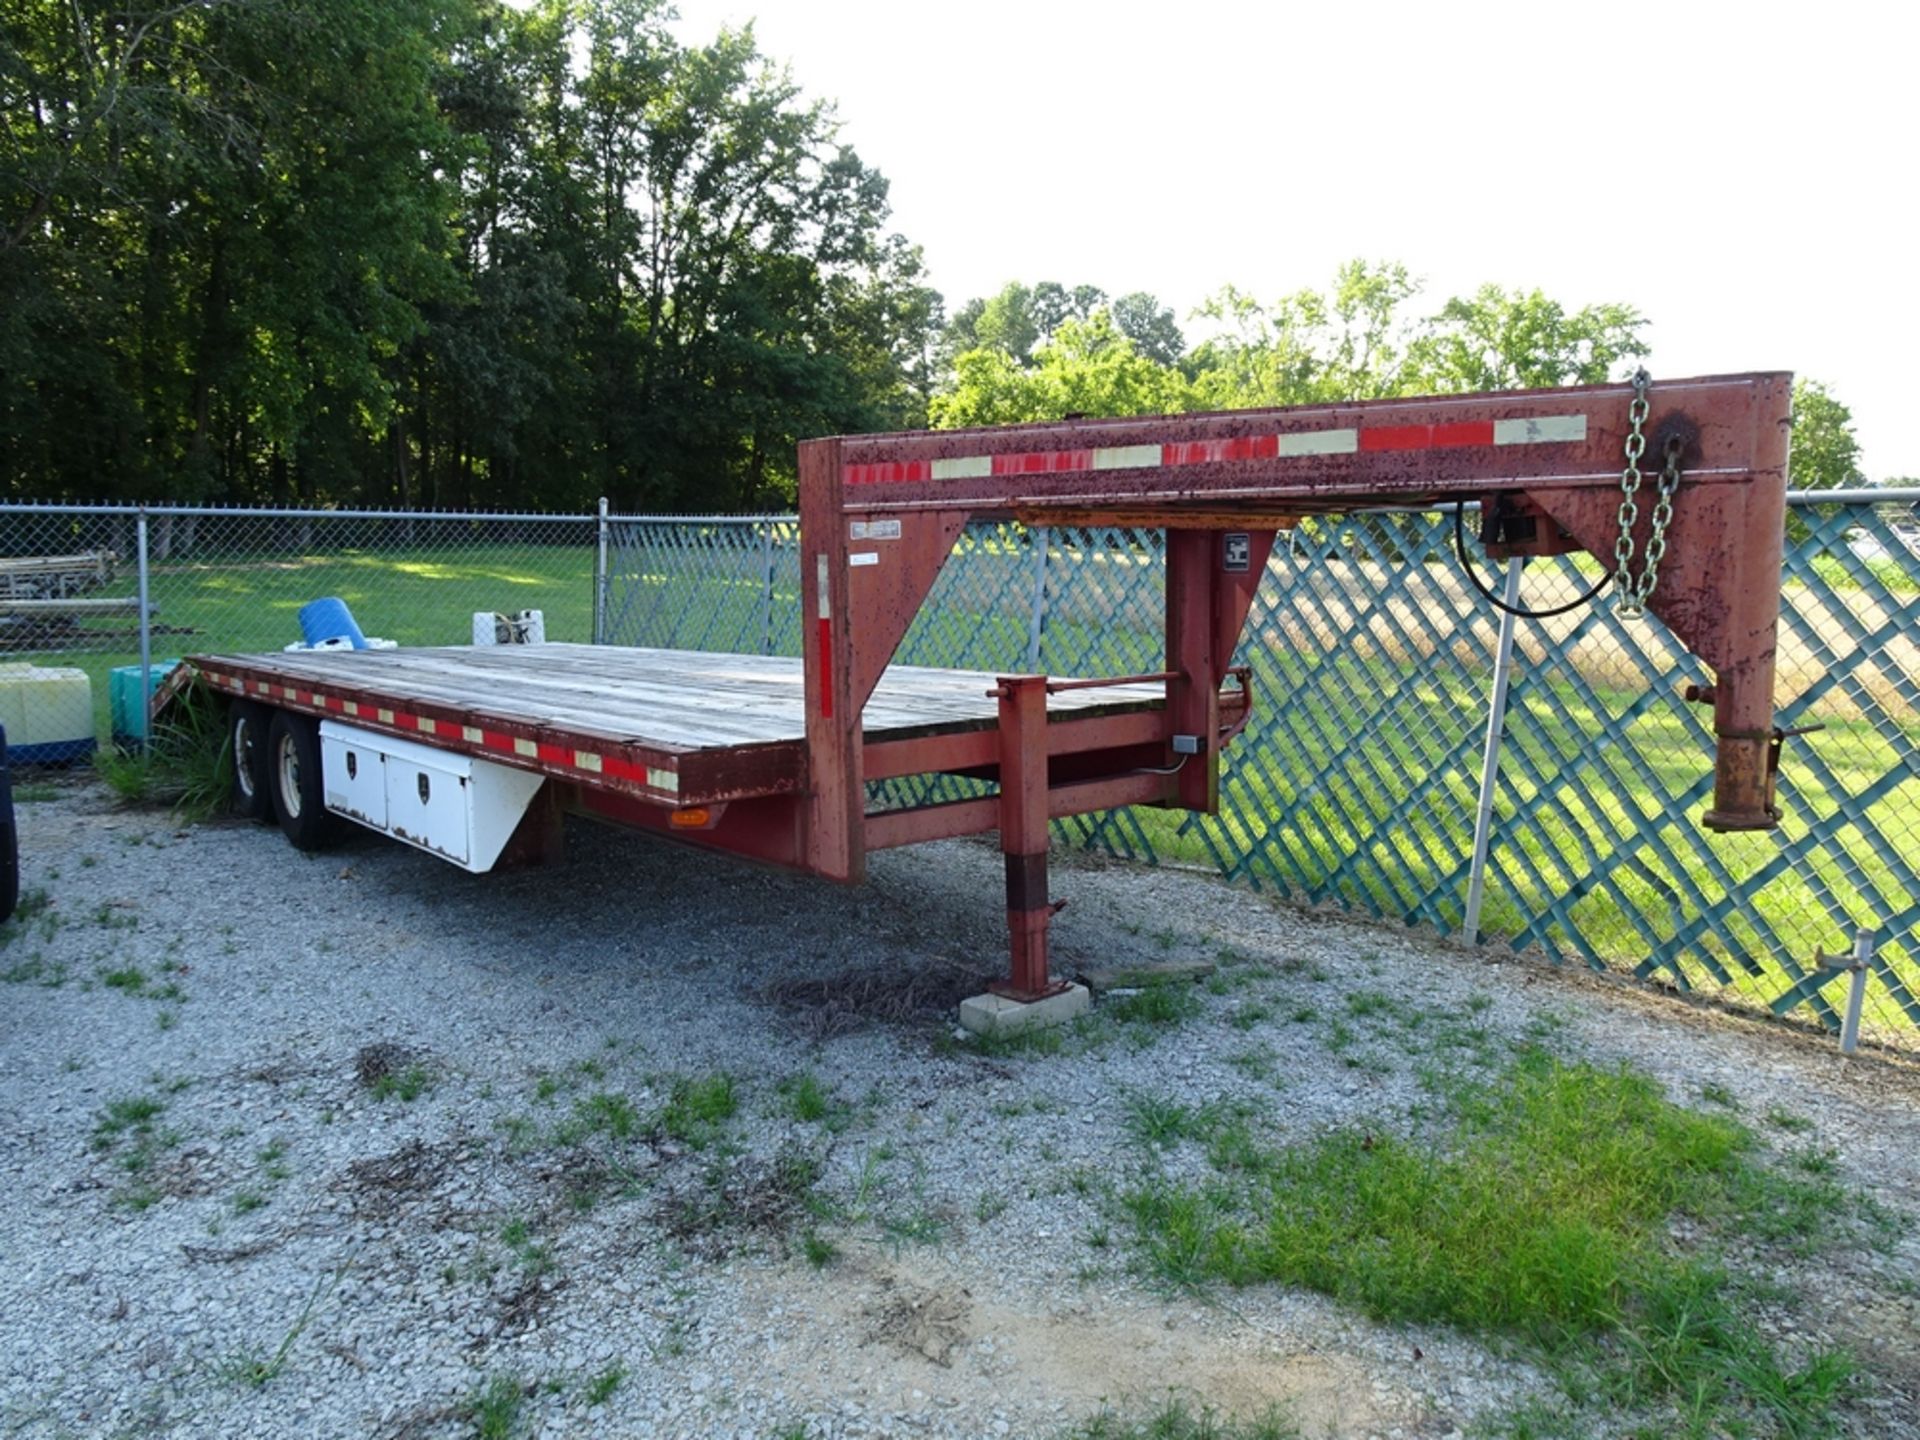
(1825, 455)
(1501, 340)
(1349, 342)
(1088, 368)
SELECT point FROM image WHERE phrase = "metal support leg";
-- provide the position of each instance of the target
(1023, 835)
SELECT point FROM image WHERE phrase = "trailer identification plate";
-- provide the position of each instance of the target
(874, 530)
(1235, 553)
(863, 557)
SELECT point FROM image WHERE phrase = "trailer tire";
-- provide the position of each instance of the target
(295, 782)
(247, 726)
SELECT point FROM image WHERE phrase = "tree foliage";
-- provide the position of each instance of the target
(442, 252)
(1360, 338)
(1824, 455)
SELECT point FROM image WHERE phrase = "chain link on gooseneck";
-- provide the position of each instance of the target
(1630, 596)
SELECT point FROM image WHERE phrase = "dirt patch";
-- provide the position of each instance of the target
(914, 1321)
(933, 1341)
(823, 1007)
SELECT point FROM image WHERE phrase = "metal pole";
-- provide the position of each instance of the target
(1857, 990)
(1490, 759)
(766, 587)
(1039, 535)
(146, 634)
(600, 580)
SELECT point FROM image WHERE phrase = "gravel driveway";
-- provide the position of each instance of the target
(653, 1143)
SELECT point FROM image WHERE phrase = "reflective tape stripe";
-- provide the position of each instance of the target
(967, 467)
(1347, 440)
(1128, 457)
(1544, 430)
(1320, 442)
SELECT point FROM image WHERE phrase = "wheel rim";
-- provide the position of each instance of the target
(245, 743)
(288, 764)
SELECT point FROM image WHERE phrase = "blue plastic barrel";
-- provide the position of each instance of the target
(329, 619)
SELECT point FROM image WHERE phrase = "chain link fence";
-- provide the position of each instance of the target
(72, 581)
(1358, 782)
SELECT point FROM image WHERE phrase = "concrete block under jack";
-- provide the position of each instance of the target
(995, 1015)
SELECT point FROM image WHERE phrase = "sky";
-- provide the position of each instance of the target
(1747, 176)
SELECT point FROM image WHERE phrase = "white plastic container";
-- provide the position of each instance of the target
(48, 713)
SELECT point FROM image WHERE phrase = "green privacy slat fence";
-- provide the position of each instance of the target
(1356, 782)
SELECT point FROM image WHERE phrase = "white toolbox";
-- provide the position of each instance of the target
(458, 807)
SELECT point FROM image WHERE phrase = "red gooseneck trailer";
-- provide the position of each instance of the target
(475, 753)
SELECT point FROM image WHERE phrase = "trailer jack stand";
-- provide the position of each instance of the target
(1029, 996)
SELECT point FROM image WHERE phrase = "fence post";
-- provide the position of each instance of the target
(600, 580)
(146, 633)
(766, 587)
(1490, 759)
(1039, 536)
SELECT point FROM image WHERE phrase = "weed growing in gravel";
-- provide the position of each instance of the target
(606, 1112)
(697, 1109)
(494, 1409)
(253, 1370)
(600, 1389)
(819, 1251)
(1539, 1210)
(1158, 1122)
(1177, 1421)
(810, 1102)
(130, 979)
(126, 1130)
(36, 970)
(1155, 1006)
(406, 1085)
(109, 915)
(33, 905)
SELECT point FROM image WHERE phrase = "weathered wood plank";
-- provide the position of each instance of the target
(680, 699)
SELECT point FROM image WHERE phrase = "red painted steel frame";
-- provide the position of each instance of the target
(879, 516)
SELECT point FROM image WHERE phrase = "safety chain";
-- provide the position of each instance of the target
(1630, 596)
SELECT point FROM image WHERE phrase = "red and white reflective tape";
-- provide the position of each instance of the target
(823, 646)
(661, 778)
(1281, 445)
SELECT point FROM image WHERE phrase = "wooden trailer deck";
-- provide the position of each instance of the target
(688, 726)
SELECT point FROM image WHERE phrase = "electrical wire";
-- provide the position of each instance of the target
(1466, 564)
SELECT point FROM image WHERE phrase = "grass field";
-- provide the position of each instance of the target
(243, 603)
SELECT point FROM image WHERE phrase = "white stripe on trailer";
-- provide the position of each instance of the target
(1543, 430)
(586, 760)
(1126, 457)
(965, 467)
(1320, 442)
(668, 780)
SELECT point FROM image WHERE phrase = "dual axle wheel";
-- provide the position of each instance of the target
(277, 774)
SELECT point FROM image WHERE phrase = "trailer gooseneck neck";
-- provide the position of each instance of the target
(632, 736)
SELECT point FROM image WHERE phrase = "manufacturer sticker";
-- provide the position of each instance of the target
(1235, 552)
(863, 557)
